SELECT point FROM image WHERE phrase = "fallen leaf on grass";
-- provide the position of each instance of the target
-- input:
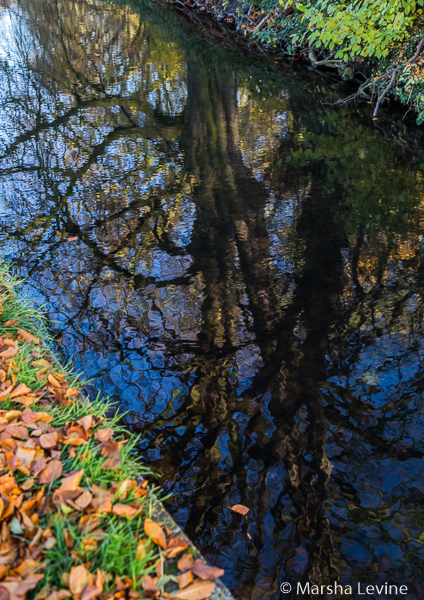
(90, 592)
(103, 435)
(21, 390)
(124, 510)
(84, 500)
(79, 577)
(148, 584)
(186, 562)
(71, 483)
(9, 352)
(28, 337)
(53, 470)
(154, 531)
(204, 571)
(240, 509)
(48, 440)
(199, 590)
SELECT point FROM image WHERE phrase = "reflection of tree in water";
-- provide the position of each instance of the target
(226, 284)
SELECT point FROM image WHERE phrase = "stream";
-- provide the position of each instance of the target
(238, 262)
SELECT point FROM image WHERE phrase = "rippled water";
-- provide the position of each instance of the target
(246, 280)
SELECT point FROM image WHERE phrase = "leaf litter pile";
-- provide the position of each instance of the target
(76, 519)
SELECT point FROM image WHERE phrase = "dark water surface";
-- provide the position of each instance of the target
(247, 281)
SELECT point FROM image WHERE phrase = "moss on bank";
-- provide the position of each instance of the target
(76, 518)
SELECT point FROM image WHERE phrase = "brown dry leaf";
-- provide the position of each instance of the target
(59, 595)
(113, 462)
(99, 580)
(53, 470)
(53, 381)
(84, 500)
(6, 391)
(79, 577)
(148, 584)
(28, 337)
(154, 531)
(110, 448)
(103, 435)
(11, 351)
(240, 509)
(86, 422)
(124, 510)
(25, 455)
(21, 390)
(198, 590)
(90, 592)
(175, 546)
(185, 579)
(186, 562)
(48, 440)
(71, 483)
(102, 501)
(71, 392)
(204, 571)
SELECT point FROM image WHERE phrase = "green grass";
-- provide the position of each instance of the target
(116, 552)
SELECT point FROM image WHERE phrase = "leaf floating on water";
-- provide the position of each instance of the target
(240, 509)
(204, 571)
(199, 590)
(72, 239)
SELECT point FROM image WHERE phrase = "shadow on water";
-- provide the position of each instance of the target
(246, 280)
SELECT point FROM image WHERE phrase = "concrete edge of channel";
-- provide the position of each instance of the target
(160, 514)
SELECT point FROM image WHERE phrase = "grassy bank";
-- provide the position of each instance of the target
(76, 518)
(366, 53)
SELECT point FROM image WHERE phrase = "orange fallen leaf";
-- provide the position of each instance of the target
(148, 584)
(154, 531)
(102, 499)
(84, 500)
(48, 440)
(53, 470)
(9, 352)
(90, 592)
(71, 483)
(198, 590)
(124, 510)
(204, 571)
(103, 435)
(54, 382)
(72, 239)
(175, 546)
(79, 577)
(28, 337)
(185, 579)
(240, 509)
(186, 562)
(21, 390)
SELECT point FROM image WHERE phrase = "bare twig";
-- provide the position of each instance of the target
(395, 73)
